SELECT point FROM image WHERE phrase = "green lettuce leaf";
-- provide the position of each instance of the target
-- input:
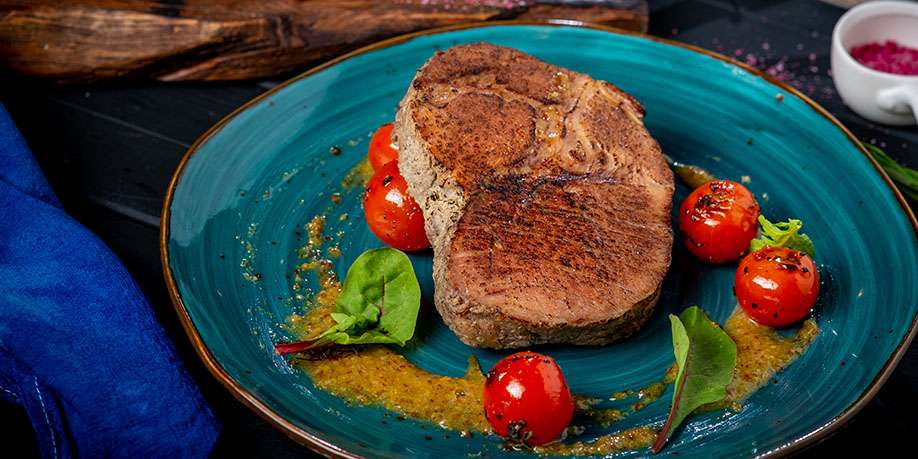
(378, 303)
(379, 300)
(783, 234)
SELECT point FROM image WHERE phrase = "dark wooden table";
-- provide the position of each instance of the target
(109, 152)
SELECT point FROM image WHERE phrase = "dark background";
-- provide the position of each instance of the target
(110, 150)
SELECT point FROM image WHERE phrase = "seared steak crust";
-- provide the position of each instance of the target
(545, 199)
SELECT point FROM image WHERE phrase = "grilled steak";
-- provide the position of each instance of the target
(545, 199)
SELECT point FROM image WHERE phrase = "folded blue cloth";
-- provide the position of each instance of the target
(80, 348)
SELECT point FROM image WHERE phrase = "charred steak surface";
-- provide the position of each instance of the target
(546, 200)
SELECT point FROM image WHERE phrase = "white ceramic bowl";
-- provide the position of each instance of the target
(878, 96)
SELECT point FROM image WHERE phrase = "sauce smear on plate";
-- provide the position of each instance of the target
(377, 375)
(761, 352)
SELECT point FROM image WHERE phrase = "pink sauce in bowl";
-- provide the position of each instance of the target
(888, 57)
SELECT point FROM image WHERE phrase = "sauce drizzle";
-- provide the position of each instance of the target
(760, 354)
(377, 375)
(626, 440)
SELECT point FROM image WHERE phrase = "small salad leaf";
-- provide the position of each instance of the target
(782, 234)
(906, 178)
(378, 303)
(706, 357)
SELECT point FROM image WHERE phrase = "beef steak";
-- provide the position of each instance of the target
(545, 199)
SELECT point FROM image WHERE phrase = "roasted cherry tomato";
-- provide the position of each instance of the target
(777, 286)
(392, 214)
(527, 400)
(718, 220)
(382, 150)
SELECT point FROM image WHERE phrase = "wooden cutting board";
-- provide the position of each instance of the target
(170, 40)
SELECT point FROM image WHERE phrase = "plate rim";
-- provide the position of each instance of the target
(326, 448)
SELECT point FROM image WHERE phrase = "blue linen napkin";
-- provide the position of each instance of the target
(80, 348)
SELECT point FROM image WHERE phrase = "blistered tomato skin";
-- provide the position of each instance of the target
(382, 149)
(777, 286)
(718, 220)
(526, 399)
(391, 213)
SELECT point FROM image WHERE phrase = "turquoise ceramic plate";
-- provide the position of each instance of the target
(268, 164)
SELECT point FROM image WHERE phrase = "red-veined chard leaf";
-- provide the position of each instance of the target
(706, 357)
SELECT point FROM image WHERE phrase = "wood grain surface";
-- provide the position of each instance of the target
(170, 40)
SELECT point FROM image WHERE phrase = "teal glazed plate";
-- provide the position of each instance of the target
(236, 209)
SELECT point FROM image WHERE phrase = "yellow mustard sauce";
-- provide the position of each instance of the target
(247, 263)
(313, 323)
(760, 354)
(311, 251)
(318, 319)
(629, 439)
(314, 230)
(359, 175)
(650, 393)
(691, 175)
(377, 375)
(626, 440)
(608, 416)
(329, 285)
